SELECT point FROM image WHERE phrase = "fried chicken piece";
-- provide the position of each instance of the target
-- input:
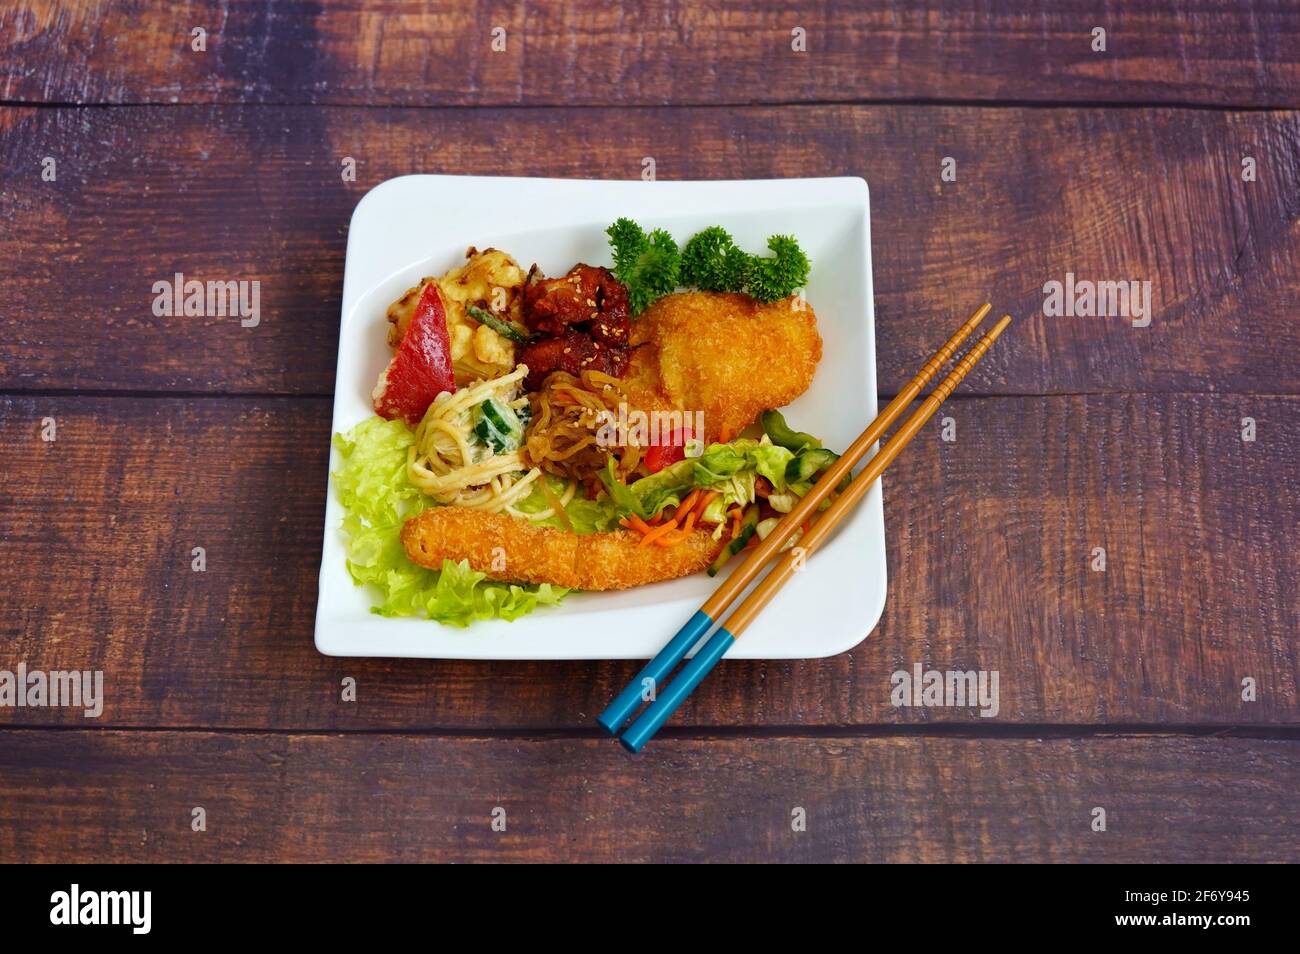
(585, 294)
(724, 354)
(580, 323)
(572, 351)
(612, 331)
(533, 554)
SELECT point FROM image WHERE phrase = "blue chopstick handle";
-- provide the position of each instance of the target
(657, 669)
(656, 714)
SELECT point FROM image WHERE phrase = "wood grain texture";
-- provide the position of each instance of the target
(183, 432)
(1221, 52)
(256, 194)
(990, 542)
(128, 797)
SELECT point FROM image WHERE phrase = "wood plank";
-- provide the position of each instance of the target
(236, 194)
(990, 544)
(1222, 52)
(129, 796)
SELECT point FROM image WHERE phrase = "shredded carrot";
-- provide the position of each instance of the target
(686, 505)
(735, 522)
(665, 530)
(677, 536)
(638, 524)
(660, 531)
(633, 522)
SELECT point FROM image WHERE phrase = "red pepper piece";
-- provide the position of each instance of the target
(421, 369)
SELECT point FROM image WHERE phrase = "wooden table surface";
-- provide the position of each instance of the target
(1120, 689)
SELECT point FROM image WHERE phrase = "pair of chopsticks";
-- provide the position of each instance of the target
(645, 687)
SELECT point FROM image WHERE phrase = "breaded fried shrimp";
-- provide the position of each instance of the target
(533, 554)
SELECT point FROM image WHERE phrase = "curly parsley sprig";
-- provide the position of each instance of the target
(649, 265)
(711, 261)
(772, 278)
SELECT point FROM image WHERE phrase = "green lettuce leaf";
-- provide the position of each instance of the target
(729, 469)
(771, 461)
(585, 516)
(620, 493)
(647, 496)
(720, 462)
(591, 516)
(664, 489)
(377, 499)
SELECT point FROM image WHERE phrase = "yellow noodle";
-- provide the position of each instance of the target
(562, 436)
(446, 465)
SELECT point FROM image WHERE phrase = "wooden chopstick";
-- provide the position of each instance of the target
(658, 712)
(746, 613)
(643, 685)
(807, 505)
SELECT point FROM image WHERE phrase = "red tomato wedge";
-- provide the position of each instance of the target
(659, 456)
(421, 369)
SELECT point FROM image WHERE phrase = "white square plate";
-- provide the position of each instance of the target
(413, 226)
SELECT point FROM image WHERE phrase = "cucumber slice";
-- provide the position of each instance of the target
(488, 435)
(783, 435)
(808, 463)
(748, 524)
(497, 426)
(502, 417)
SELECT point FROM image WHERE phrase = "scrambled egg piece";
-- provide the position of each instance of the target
(490, 279)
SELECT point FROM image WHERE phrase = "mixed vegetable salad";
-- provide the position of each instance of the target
(743, 485)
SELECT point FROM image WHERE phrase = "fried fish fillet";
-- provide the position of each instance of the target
(533, 554)
(726, 355)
